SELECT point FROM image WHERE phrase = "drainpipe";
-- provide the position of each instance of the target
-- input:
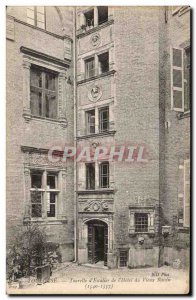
(75, 133)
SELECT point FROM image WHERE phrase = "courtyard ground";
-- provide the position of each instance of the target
(71, 278)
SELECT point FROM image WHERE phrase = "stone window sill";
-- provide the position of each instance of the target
(100, 191)
(82, 32)
(61, 121)
(96, 77)
(47, 221)
(105, 133)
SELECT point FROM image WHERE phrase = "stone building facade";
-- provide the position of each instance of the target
(122, 76)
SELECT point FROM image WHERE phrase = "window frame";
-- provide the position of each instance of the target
(101, 176)
(101, 110)
(35, 19)
(88, 124)
(44, 192)
(44, 91)
(88, 177)
(137, 224)
(137, 209)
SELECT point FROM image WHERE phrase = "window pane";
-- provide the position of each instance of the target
(36, 102)
(51, 205)
(30, 21)
(50, 81)
(123, 258)
(89, 18)
(36, 207)
(40, 17)
(141, 222)
(41, 25)
(103, 63)
(90, 121)
(104, 119)
(177, 78)
(177, 96)
(51, 181)
(104, 175)
(102, 14)
(90, 67)
(36, 180)
(177, 57)
(40, 9)
(90, 176)
(51, 105)
(36, 78)
(30, 13)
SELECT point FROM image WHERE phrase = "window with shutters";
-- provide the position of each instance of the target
(36, 16)
(186, 193)
(44, 193)
(180, 79)
(43, 94)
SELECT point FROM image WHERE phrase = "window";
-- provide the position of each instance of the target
(89, 19)
(180, 79)
(123, 257)
(36, 16)
(102, 14)
(90, 67)
(104, 119)
(186, 193)
(43, 95)
(141, 222)
(187, 79)
(103, 62)
(104, 175)
(90, 176)
(90, 121)
(43, 190)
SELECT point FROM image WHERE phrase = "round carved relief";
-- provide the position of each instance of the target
(95, 93)
(95, 39)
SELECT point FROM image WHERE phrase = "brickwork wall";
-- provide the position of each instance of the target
(37, 133)
(136, 35)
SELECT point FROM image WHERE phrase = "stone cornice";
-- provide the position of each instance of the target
(46, 57)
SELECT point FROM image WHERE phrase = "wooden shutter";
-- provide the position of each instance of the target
(177, 79)
(186, 192)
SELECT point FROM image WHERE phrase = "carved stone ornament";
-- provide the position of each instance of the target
(96, 205)
(95, 39)
(95, 93)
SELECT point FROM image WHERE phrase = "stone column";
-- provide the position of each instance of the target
(26, 90)
(61, 99)
(27, 200)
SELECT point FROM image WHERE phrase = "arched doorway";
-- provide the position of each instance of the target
(97, 242)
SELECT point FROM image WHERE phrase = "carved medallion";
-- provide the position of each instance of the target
(95, 93)
(95, 39)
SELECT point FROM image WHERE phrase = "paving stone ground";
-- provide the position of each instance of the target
(73, 279)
